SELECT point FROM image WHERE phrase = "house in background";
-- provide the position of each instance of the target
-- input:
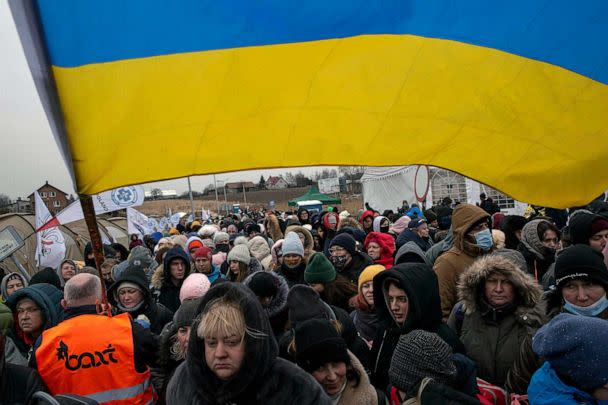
(20, 206)
(238, 187)
(276, 183)
(55, 199)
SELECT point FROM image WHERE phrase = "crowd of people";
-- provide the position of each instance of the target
(455, 304)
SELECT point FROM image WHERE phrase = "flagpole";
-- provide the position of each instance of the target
(89, 216)
(190, 192)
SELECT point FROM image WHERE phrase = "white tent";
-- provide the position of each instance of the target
(385, 188)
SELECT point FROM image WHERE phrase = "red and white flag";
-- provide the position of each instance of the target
(50, 243)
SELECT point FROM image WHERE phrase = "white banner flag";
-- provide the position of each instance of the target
(50, 244)
(108, 201)
(175, 218)
(137, 223)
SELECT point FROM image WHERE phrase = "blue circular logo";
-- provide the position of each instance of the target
(124, 196)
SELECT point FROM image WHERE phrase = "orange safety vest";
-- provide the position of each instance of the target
(93, 356)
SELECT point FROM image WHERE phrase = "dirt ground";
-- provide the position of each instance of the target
(257, 199)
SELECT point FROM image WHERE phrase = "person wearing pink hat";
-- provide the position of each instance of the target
(195, 286)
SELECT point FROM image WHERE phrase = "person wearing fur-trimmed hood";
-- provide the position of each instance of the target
(499, 311)
(271, 290)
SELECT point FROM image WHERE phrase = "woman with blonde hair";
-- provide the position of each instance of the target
(232, 357)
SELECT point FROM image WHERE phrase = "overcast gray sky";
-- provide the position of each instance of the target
(28, 153)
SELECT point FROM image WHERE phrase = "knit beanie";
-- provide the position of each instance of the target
(221, 237)
(193, 243)
(573, 344)
(368, 274)
(47, 275)
(599, 224)
(203, 252)
(263, 284)
(128, 284)
(317, 343)
(421, 354)
(293, 245)
(240, 240)
(345, 241)
(240, 253)
(140, 256)
(207, 231)
(185, 314)
(319, 269)
(580, 261)
(195, 285)
(304, 303)
(208, 243)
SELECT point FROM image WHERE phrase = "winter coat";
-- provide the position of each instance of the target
(6, 318)
(539, 259)
(168, 293)
(18, 383)
(215, 274)
(410, 236)
(277, 310)
(367, 323)
(263, 377)
(157, 313)
(496, 338)
(273, 227)
(48, 298)
(546, 388)
(440, 247)
(452, 263)
(309, 243)
(364, 393)
(259, 249)
(424, 312)
(292, 276)
(357, 264)
(387, 247)
(410, 253)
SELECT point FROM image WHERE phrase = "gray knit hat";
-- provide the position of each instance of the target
(292, 245)
(221, 237)
(421, 354)
(514, 256)
(240, 253)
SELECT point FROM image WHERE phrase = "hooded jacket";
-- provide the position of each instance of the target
(273, 227)
(495, 338)
(546, 388)
(452, 263)
(258, 246)
(440, 247)
(410, 253)
(540, 260)
(263, 378)
(277, 310)
(580, 227)
(4, 283)
(17, 383)
(169, 292)
(387, 247)
(362, 394)
(424, 312)
(48, 298)
(157, 314)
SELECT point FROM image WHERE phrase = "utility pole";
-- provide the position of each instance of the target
(244, 195)
(191, 200)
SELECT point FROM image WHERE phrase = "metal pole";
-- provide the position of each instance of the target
(89, 216)
(217, 200)
(22, 269)
(190, 192)
(244, 195)
(225, 199)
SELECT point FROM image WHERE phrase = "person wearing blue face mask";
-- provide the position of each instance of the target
(472, 239)
(581, 280)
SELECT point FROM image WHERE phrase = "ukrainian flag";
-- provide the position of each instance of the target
(511, 93)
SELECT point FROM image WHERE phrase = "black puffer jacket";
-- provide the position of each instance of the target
(424, 312)
(262, 379)
(358, 263)
(292, 276)
(169, 292)
(18, 383)
(157, 314)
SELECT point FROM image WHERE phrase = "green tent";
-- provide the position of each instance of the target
(314, 194)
